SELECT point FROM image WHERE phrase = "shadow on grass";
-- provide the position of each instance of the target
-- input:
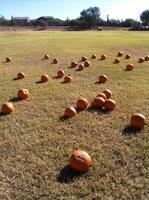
(39, 82)
(129, 130)
(67, 175)
(97, 82)
(14, 99)
(15, 79)
(56, 77)
(3, 114)
(99, 110)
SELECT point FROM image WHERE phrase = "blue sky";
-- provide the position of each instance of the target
(117, 9)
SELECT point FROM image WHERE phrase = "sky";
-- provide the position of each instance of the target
(116, 9)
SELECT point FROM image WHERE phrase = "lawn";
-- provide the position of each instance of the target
(36, 142)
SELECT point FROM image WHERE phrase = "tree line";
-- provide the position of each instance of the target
(88, 18)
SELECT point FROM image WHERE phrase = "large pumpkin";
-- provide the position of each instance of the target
(70, 112)
(98, 102)
(80, 161)
(94, 56)
(103, 57)
(86, 64)
(55, 61)
(74, 64)
(82, 103)
(129, 67)
(67, 79)
(141, 59)
(44, 78)
(109, 104)
(137, 120)
(21, 75)
(102, 78)
(60, 74)
(108, 93)
(117, 60)
(7, 108)
(120, 54)
(128, 56)
(146, 58)
(102, 95)
(23, 94)
(80, 66)
(84, 58)
(8, 59)
(46, 56)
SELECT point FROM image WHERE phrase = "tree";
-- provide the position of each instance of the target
(145, 17)
(90, 16)
(128, 22)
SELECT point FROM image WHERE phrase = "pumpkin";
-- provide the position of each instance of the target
(20, 75)
(128, 56)
(7, 108)
(137, 120)
(141, 59)
(109, 104)
(55, 61)
(108, 93)
(60, 74)
(46, 56)
(70, 112)
(120, 54)
(80, 66)
(82, 103)
(117, 60)
(44, 78)
(94, 56)
(74, 64)
(80, 161)
(129, 67)
(86, 64)
(67, 79)
(8, 59)
(84, 58)
(102, 95)
(98, 102)
(23, 94)
(103, 57)
(146, 58)
(102, 78)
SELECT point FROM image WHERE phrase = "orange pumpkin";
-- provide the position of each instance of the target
(128, 56)
(80, 161)
(20, 75)
(7, 108)
(98, 102)
(44, 78)
(67, 79)
(84, 58)
(103, 57)
(102, 95)
(137, 120)
(108, 93)
(117, 60)
(60, 74)
(102, 78)
(46, 56)
(94, 56)
(86, 64)
(70, 112)
(141, 59)
(120, 54)
(146, 58)
(23, 94)
(109, 104)
(82, 103)
(129, 67)
(8, 59)
(55, 61)
(81, 66)
(74, 64)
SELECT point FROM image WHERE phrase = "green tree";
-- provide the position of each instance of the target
(145, 17)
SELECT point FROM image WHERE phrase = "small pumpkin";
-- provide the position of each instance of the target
(94, 56)
(80, 161)
(82, 103)
(46, 56)
(120, 54)
(55, 61)
(70, 112)
(108, 93)
(23, 94)
(84, 58)
(141, 59)
(98, 102)
(137, 120)
(44, 78)
(109, 104)
(129, 67)
(103, 57)
(116, 60)
(102, 95)
(74, 64)
(80, 66)
(21, 75)
(67, 79)
(128, 56)
(60, 74)
(86, 64)
(102, 78)
(146, 58)
(7, 108)
(8, 59)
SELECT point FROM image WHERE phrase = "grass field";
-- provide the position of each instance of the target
(35, 143)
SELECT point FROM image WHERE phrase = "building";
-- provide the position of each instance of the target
(20, 20)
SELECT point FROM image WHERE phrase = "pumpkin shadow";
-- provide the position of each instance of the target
(63, 118)
(129, 130)
(63, 82)
(3, 114)
(99, 110)
(39, 82)
(14, 99)
(67, 175)
(97, 82)
(55, 77)
(15, 79)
